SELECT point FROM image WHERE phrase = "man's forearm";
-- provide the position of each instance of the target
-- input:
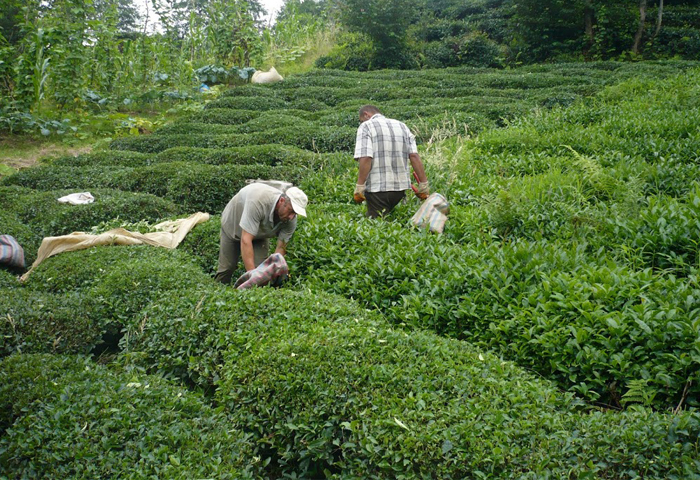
(417, 165)
(281, 248)
(247, 253)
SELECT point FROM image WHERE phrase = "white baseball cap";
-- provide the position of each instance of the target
(299, 200)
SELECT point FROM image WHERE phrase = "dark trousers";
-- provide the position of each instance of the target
(230, 253)
(382, 203)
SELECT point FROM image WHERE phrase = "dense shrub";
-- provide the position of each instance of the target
(224, 116)
(228, 116)
(260, 103)
(324, 386)
(254, 154)
(110, 158)
(203, 244)
(322, 139)
(665, 234)
(482, 291)
(206, 188)
(40, 211)
(8, 278)
(66, 417)
(39, 322)
(50, 177)
(260, 124)
(191, 186)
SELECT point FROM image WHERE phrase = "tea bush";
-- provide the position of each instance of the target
(66, 417)
(260, 103)
(666, 234)
(203, 244)
(109, 158)
(318, 139)
(476, 292)
(8, 278)
(44, 216)
(327, 389)
(224, 116)
(58, 177)
(259, 124)
(40, 322)
(272, 154)
(193, 187)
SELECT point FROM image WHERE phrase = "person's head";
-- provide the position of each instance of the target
(291, 203)
(367, 112)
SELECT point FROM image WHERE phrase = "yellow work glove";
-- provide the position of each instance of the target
(359, 194)
(423, 190)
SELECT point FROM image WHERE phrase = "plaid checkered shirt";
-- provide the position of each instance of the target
(388, 142)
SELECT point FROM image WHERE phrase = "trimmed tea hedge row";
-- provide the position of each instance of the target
(328, 390)
(260, 124)
(40, 322)
(249, 155)
(272, 154)
(66, 417)
(8, 278)
(31, 215)
(71, 301)
(108, 158)
(193, 187)
(574, 317)
(317, 139)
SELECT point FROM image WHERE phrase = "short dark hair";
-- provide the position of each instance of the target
(369, 109)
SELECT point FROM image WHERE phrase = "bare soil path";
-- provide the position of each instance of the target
(23, 152)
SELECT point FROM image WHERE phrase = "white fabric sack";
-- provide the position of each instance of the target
(271, 76)
(78, 198)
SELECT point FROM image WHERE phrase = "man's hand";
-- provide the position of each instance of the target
(423, 190)
(359, 194)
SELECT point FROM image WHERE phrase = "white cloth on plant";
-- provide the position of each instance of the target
(81, 198)
(169, 235)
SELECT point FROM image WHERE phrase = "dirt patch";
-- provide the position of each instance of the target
(19, 153)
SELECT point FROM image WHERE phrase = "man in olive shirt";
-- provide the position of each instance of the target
(255, 214)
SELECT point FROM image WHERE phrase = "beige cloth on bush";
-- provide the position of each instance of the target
(271, 76)
(169, 235)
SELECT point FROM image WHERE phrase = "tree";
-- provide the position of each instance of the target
(383, 21)
(640, 28)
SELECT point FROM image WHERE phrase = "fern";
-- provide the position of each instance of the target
(639, 391)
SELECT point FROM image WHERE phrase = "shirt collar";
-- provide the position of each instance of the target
(376, 115)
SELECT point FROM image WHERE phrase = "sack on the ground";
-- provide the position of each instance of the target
(432, 214)
(272, 271)
(11, 252)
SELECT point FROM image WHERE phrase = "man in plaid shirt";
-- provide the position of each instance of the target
(383, 149)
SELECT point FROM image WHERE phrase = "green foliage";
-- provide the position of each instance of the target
(588, 329)
(43, 215)
(117, 159)
(309, 137)
(253, 154)
(40, 322)
(190, 186)
(67, 417)
(385, 23)
(324, 386)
